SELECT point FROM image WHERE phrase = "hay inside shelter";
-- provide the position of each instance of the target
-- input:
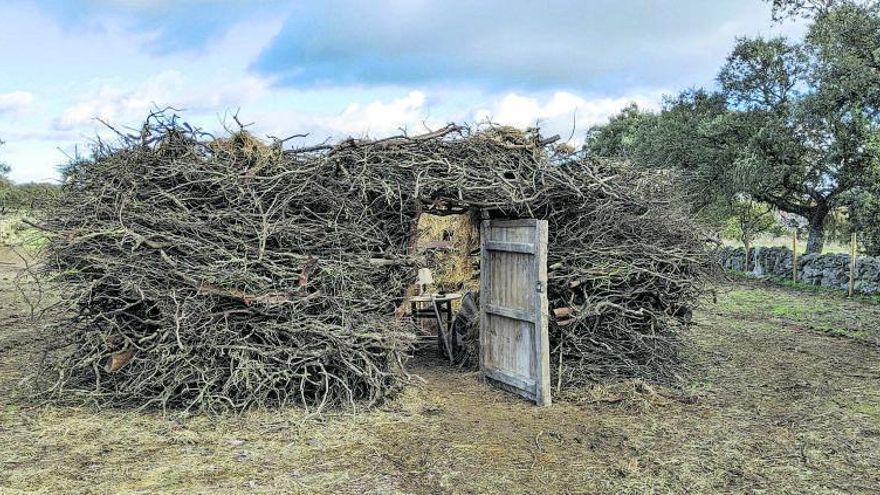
(225, 273)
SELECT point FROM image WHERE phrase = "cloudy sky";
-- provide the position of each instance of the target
(336, 68)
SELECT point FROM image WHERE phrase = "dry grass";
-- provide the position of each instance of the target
(769, 405)
(453, 269)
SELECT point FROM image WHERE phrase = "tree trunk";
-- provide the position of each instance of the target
(816, 240)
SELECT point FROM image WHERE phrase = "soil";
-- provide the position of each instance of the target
(780, 393)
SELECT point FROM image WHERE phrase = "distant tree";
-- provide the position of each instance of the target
(790, 126)
(774, 129)
(681, 137)
(783, 9)
(864, 211)
(33, 196)
(22, 197)
(6, 187)
(863, 219)
(748, 219)
(673, 138)
(618, 137)
(4, 168)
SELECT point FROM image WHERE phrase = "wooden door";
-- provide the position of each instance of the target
(514, 348)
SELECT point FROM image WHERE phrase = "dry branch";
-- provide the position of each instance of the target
(226, 273)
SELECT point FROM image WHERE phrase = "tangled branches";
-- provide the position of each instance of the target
(225, 273)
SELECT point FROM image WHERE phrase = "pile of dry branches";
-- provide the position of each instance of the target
(223, 273)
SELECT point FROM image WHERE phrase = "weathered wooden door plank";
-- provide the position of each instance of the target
(511, 247)
(514, 348)
(515, 314)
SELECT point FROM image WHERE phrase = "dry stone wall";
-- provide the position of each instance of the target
(829, 270)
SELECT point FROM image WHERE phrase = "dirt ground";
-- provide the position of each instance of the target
(780, 394)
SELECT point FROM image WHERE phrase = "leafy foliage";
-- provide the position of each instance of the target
(783, 9)
(6, 187)
(622, 135)
(790, 125)
(747, 219)
(22, 198)
(864, 210)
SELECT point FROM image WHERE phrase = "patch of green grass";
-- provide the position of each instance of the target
(871, 409)
(820, 310)
(740, 299)
(15, 233)
(786, 311)
(822, 290)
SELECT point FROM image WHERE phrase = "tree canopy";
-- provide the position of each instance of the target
(790, 124)
(810, 8)
(21, 197)
(5, 184)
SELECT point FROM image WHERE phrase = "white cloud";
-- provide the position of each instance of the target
(562, 110)
(378, 118)
(555, 113)
(336, 113)
(169, 88)
(418, 111)
(361, 117)
(15, 102)
(116, 105)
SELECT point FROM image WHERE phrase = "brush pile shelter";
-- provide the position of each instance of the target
(224, 273)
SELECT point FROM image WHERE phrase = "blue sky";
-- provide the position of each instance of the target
(336, 68)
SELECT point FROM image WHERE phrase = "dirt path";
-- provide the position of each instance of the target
(770, 405)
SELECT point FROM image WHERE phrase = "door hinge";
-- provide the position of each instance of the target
(539, 286)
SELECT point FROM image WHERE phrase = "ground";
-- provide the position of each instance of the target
(780, 394)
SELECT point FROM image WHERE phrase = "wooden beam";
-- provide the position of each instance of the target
(512, 313)
(510, 247)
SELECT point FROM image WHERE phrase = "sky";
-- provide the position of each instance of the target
(339, 68)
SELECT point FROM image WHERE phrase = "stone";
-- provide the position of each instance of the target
(828, 270)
